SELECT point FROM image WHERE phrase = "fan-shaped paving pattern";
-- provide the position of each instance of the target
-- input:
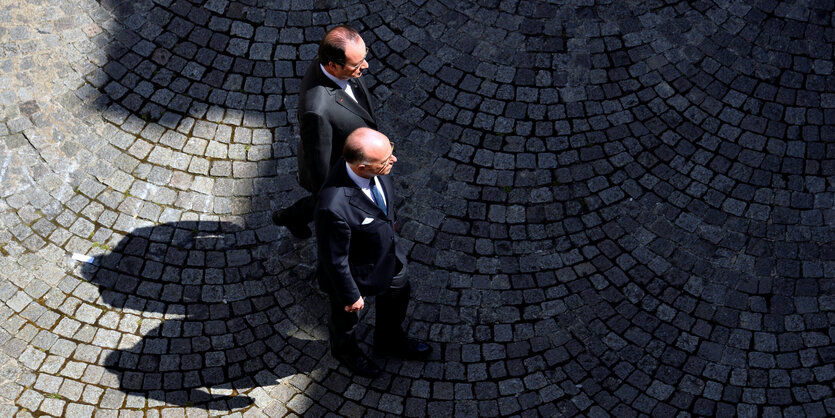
(610, 207)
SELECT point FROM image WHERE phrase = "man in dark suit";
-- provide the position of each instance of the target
(333, 102)
(355, 232)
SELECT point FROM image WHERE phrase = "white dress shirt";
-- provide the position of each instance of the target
(365, 184)
(343, 84)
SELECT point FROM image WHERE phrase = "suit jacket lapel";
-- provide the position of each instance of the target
(341, 98)
(357, 198)
(344, 100)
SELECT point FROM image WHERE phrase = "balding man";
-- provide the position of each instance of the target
(333, 102)
(355, 232)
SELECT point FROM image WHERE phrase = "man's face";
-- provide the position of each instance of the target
(355, 63)
(380, 160)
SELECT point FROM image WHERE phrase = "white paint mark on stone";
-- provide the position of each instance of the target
(84, 258)
(5, 167)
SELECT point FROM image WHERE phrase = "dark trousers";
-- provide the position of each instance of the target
(302, 211)
(391, 311)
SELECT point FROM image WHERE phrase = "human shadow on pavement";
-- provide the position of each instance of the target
(197, 318)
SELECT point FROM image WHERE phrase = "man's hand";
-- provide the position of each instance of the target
(356, 307)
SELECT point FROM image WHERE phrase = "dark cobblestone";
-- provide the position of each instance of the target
(607, 209)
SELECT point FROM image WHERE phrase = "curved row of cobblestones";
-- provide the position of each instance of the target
(618, 208)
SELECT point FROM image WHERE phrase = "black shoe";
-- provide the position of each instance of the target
(359, 363)
(299, 230)
(406, 348)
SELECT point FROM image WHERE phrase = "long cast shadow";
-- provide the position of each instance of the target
(208, 89)
(203, 315)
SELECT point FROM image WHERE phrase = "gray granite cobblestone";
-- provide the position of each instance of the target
(606, 210)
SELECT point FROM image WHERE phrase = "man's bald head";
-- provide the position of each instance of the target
(359, 142)
(369, 152)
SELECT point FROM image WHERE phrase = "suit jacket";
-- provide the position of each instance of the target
(356, 240)
(327, 115)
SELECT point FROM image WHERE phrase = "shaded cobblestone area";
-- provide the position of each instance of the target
(611, 208)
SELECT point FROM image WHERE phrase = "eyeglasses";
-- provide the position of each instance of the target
(383, 164)
(353, 67)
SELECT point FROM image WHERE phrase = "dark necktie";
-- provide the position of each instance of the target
(378, 198)
(360, 95)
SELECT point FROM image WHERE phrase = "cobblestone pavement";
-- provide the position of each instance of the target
(615, 208)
